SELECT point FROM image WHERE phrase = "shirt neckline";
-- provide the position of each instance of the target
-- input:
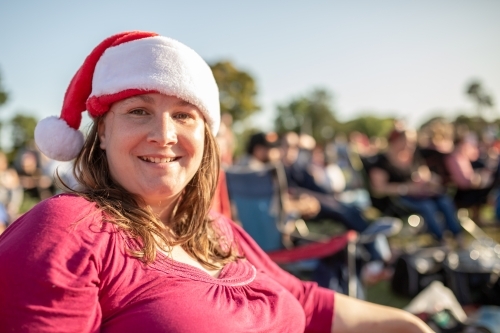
(236, 273)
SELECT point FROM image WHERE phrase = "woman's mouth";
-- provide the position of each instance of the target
(158, 159)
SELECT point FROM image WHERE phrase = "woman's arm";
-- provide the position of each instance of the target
(50, 260)
(353, 315)
(379, 182)
(464, 176)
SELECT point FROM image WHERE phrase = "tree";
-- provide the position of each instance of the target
(475, 124)
(237, 90)
(3, 93)
(22, 129)
(310, 114)
(370, 125)
(483, 100)
(3, 98)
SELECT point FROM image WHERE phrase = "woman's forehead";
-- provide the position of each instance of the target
(152, 98)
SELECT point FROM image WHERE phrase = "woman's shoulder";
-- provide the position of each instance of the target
(61, 214)
(63, 207)
(223, 226)
(230, 232)
(376, 161)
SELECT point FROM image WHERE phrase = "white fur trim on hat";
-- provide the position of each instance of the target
(56, 139)
(159, 64)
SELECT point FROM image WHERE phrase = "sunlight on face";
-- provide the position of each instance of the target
(154, 145)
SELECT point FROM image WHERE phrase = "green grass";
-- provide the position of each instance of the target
(381, 293)
(28, 203)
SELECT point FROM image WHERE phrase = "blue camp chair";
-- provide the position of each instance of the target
(257, 197)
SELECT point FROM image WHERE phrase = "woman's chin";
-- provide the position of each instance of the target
(162, 198)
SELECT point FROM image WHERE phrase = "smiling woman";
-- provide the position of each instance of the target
(134, 248)
(159, 139)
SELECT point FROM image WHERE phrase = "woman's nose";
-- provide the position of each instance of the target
(164, 131)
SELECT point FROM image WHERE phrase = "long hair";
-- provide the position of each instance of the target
(189, 224)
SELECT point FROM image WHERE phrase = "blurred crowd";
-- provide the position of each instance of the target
(28, 179)
(431, 172)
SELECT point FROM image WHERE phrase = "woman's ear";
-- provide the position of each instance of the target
(101, 133)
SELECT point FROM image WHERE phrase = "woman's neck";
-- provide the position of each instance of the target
(177, 253)
(163, 209)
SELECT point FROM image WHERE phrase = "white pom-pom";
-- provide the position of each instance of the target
(57, 140)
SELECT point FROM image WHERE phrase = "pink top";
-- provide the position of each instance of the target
(460, 169)
(63, 270)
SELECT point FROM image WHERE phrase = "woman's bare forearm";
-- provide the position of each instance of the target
(353, 315)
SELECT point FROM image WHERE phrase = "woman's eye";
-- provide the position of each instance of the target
(138, 112)
(182, 116)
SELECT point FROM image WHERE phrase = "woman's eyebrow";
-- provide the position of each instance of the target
(144, 98)
(183, 103)
(150, 100)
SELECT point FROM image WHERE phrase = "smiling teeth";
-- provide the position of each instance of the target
(157, 159)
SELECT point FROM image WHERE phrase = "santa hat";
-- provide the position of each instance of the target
(125, 65)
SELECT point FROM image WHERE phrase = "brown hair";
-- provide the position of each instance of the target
(189, 222)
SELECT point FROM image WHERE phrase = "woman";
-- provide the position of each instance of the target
(398, 173)
(134, 248)
(473, 184)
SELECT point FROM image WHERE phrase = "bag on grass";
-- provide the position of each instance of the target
(416, 270)
(472, 274)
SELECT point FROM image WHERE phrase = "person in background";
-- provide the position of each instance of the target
(225, 143)
(398, 172)
(11, 192)
(4, 219)
(302, 182)
(225, 140)
(473, 185)
(329, 176)
(434, 144)
(35, 183)
(261, 151)
(134, 248)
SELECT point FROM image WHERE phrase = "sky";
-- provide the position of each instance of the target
(405, 59)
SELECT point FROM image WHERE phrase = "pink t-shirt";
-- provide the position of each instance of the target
(63, 270)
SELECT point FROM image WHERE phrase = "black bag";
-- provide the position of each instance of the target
(472, 280)
(415, 271)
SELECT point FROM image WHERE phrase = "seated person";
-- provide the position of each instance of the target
(473, 185)
(262, 150)
(435, 142)
(11, 192)
(327, 175)
(300, 181)
(397, 172)
(36, 184)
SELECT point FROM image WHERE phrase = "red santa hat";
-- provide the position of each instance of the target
(124, 65)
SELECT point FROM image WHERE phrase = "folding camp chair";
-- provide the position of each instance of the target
(257, 196)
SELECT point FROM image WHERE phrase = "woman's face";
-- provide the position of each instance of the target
(154, 145)
(407, 141)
